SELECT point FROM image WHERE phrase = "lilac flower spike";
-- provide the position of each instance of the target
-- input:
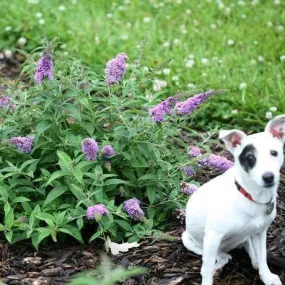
(108, 151)
(215, 161)
(90, 149)
(4, 101)
(189, 171)
(158, 112)
(44, 68)
(188, 188)
(96, 210)
(132, 207)
(23, 144)
(115, 69)
(194, 152)
(192, 103)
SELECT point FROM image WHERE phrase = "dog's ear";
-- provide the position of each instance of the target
(276, 127)
(232, 139)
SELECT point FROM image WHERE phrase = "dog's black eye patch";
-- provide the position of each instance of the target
(274, 153)
(247, 158)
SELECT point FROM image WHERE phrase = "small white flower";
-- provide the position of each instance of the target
(158, 72)
(42, 21)
(127, 1)
(241, 3)
(127, 65)
(158, 84)
(146, 20)
(122, 8)
(280, 28)
(277, 2)
(166, 71)
(268, 115)
(188, 11)
(33, 1)
(179, 1)
(65, 53)
(221, 5)
(213, 26)
(167, 17)
(39, 15)
(129, 25)
(254, 2)
(166, 44)
(176, 41)
(204, 74)
(63, 46)
(220, 61)
(61, 8)
(282, 57)
(243, 16)
(97, 40)
(8, 53)
(215, 58)
(256, 42)
(74, 2)
(230, 42)
(252, 61)
(224, 76)
(190, 63)
(260, 58)
(175, 78)
(182, 27)
(228, 11)
(242, 86)
(196, 22)
(273, 109)
(205, 61)
(69, 32)
(191, 85)
(8, 29)
(161, 4)
(145, 69)
(184, 31)
(124, 37)
(269, 24)
(191, 56)
(22, 41)
(234, 112)
(109, 15)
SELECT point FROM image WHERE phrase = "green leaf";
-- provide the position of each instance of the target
(125, 225)
(148, 176)
(77, 192)
(9, 216)
(53, 194)
(65, 162)
(151, 194)
(40, 235)
(89, 127)
(115, 181)
(21, 199)
(96, 235)
(42, 126)
(78, 175)
(73, 231)
(80, 223)
(2, 228)
(56, 175)
(47, 218)
(9, 235)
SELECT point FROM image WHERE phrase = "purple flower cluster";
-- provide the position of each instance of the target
(194, 152)
(108, 151)
(189, 171)
(4, 101)
(96, 210)
(192, 103)
(158, 112)
(215, 161)
(132, 207)
(187, 188)
(23, 144)
(115, 69)
(90, 148)
(44, 68)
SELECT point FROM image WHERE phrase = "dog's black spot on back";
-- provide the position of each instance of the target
(247, 158)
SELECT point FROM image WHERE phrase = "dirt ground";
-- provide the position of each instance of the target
(169, 263)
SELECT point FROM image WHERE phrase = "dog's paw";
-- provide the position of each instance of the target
(271, 279)
(254, 264)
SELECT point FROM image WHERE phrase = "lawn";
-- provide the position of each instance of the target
(237, 45)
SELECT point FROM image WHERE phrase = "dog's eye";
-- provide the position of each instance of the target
(274, 152)
(251, 159)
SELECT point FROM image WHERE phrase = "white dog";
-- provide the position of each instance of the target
(236, 208)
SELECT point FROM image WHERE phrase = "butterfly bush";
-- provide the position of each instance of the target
(96, 210)
(108, 151)
(215, 161)
(115, 69)
(90, 148)
(23, 144)
(4, 100)
(189, 171)
(132, 207)
(188, 188)
(44, 68)
(194, 152)
(158, 112)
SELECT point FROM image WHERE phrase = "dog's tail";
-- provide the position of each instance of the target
(190, 244)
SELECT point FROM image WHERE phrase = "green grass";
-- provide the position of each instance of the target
(94, 38)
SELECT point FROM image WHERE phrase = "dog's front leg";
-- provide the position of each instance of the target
(259, 244)
(212, 241)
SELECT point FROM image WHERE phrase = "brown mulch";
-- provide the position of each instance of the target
(169, 263)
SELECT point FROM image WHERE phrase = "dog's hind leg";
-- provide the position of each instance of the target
(190, 244)
(222, 259)
(250, 250)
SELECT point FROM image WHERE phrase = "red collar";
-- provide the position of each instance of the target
(247, 195)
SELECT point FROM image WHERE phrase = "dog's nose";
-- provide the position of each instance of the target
(268, 177)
